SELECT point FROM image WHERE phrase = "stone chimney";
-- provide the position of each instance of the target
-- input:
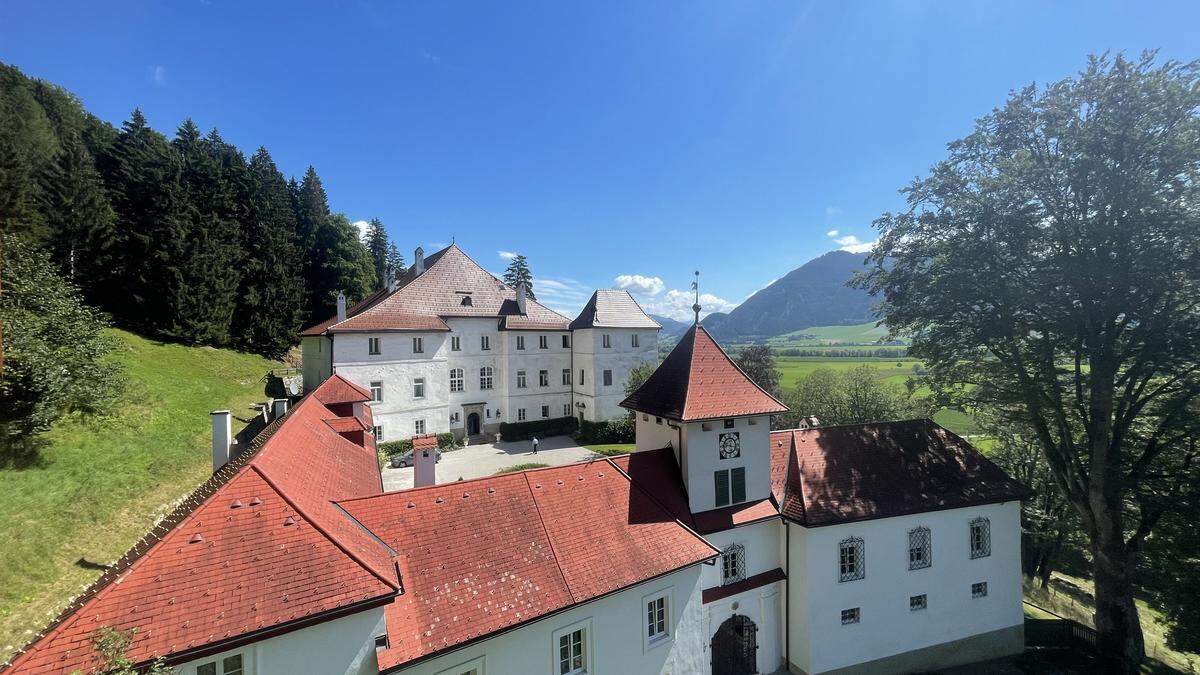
(279, 408)
(341, 305)
(424, 460)
(521, 292)
(418, 261)
(222, 437)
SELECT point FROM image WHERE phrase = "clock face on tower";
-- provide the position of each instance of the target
(730, 445)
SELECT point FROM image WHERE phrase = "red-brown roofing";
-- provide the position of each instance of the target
(452, 285)
(482, 556)
(698, 381)
(426, 442)
(841, 474)
(260, 545)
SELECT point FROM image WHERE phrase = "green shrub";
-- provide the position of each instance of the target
(445, 441)
(620, 430)
(520, 431)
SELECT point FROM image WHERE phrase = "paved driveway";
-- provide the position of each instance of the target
(475, 461)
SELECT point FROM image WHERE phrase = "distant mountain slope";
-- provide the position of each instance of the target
(670, 326)
(814, 294)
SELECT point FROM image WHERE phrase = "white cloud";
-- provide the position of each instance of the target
(430, 56)
(831, 233)
(831, 211)
(362, 226)
(565, 296)
(160, 75)
(677, 304)
(638, 284)
(507, 255)
(852, 244)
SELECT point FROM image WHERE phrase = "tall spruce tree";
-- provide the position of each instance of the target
(377, 245)
(518, 273)
(270, 305)
(335, 258)
(79, 220)
(395, 261)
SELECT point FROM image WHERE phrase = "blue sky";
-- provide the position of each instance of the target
(612, 143)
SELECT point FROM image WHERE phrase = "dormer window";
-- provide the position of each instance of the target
(466, 301)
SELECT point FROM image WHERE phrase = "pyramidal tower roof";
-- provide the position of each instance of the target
(698, 381)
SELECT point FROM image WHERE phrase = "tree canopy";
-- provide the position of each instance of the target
(853, 396)
(1048, 272)
(518, 273)
(758, 362)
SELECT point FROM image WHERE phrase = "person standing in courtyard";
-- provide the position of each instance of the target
(535, 444)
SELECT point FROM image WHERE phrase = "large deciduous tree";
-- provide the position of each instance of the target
(854, 396)
(1048, 271)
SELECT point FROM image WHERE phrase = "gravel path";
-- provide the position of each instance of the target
(475, 461)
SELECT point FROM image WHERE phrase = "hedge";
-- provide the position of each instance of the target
(520, 431)
(445, 441)
(620, 430)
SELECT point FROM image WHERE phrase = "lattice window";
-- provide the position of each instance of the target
(981, 538)
(920, 549)
(851, 562)
(917, 602)
(852, 615)
(733, 564)
(979, 589)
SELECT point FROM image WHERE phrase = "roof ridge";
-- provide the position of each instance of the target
(549, 539)
(332, 539)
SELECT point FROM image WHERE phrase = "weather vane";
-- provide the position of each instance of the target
(696, 288)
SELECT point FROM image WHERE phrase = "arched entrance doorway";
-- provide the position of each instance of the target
(734, 647)
(473, 424)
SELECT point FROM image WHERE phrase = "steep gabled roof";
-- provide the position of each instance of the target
(420, 302)
(840, 474)
(482, 556)
(259, 546)
(609, 308)
(698, 381)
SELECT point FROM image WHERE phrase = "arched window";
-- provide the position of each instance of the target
(456, 379)
(485, 377)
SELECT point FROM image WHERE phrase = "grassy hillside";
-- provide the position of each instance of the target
(863, 333)
(101, 485)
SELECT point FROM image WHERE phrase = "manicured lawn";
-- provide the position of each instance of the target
(794, 368)
(859, 333)
(101, 485)
(520, 467)
(611, 449)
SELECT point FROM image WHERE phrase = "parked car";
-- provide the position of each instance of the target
(406, 459)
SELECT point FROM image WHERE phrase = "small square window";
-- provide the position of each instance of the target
(917, 602)
(705, 426)
(851, 615)
(658, 420)
(728, 424)
(381, 642)
(373, 346)
(979, 589)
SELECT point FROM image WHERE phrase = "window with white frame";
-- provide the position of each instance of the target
(979, 589)
(418, 345)
(917, 602)
(520, 379)
(851, 565)
(658, 618)
(419, 387)
(566, 341)
(852, 615)
(376, 391)
(981, 538)
(634, 340)
(606, 340)
(520, 342)
(566, 376)
(608, 378)
(377, 432)
(543, 378)
(572, 650)
(455, 344)
(226, 665)
(543, 342)
(920, 548)
(485, 342)
(566, 410)
(456, 379)
(373, 346)
(419, 427)
(733, 564)
(545, 411)
(485, 377)
(520, 414)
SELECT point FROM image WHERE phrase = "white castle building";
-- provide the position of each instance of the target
(718, 546)
(449, 347)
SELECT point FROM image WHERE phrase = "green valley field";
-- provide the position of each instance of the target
(100, 485)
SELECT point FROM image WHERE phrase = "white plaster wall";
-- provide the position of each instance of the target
(621, 357)
(703, 458)
(554, 359)
(315, 352)
(397, 367)
(471, 359)
(583, 345)
(652, 434)
(761, 543)
(344, 646)
(887, 626)
(615, 636)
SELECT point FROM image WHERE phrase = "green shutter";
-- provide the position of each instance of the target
(739, 484)
(721, 478)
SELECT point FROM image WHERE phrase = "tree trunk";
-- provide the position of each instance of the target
(1116, 616)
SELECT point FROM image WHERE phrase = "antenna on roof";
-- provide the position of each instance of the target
(696, 288)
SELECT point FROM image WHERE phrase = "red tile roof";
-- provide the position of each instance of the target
(848, 473)
(482, 556)
(337, 390)
(260, 545)
(698, 381)
(421, 301)
(426, 442)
